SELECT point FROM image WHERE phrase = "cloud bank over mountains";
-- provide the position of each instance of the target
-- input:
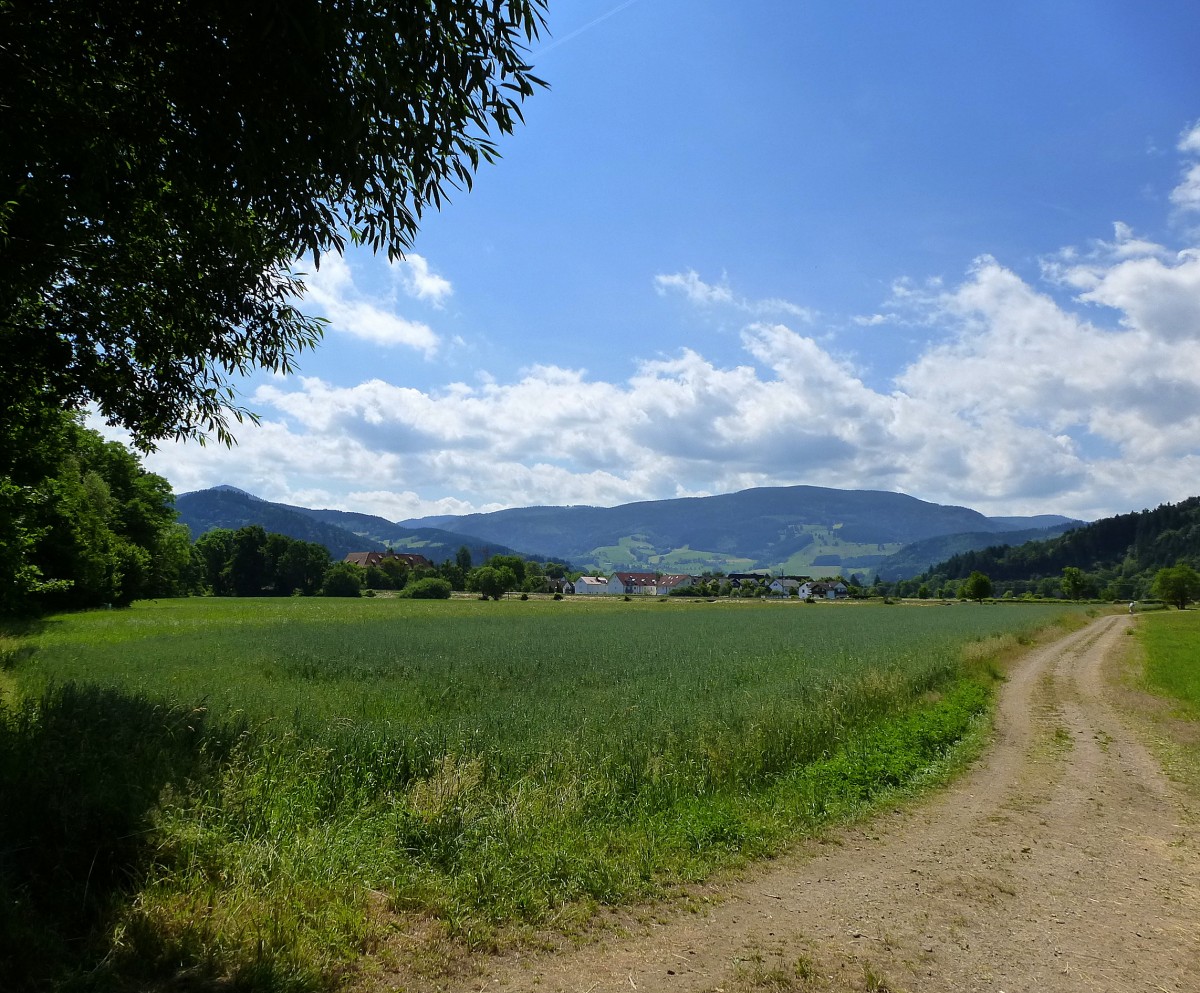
(1073, 389)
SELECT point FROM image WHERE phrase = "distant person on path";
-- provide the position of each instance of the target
(1131, 603)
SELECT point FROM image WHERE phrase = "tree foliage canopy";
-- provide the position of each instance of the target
(1178, 584)
(977, 587)
(164, 165)
(82, 523)
(491, 581)
(254, 562)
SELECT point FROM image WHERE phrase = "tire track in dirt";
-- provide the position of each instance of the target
(1062, 861)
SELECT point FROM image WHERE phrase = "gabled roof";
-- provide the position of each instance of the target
(410, 559)
(637, 578)
(670, 582)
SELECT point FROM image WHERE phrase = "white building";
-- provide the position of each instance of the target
(632, 582)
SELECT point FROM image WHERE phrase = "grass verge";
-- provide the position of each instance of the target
(1163, 691)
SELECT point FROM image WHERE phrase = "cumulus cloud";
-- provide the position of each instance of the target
(421, 282)
(332, 288)
(693, 287)
(1076, 392)
(1027, 402)
(1186, 196)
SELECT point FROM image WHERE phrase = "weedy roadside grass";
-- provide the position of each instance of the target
(1167, 666)
(250, 791)
(1172, 644)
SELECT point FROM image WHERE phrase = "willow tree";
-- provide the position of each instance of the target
(164, 166)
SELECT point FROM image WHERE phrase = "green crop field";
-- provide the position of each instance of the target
(259, 789)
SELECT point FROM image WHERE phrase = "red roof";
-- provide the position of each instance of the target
(638, 578)
(410, 559)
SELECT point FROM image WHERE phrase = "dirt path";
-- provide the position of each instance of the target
(1063, 861)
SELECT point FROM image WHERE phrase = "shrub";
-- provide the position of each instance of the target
(342, 579)
(430, 588)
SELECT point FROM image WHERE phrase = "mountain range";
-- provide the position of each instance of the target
(339, 531)
(785, 529)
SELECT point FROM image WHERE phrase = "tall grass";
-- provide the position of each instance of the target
(1172, 643)
(283, 771)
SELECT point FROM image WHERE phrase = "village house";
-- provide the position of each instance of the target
(784, 585)
(666, 584)
(647, 583)
(824, 590)
(367, 559)
(751, 579)
(591, 584)
(632, 582)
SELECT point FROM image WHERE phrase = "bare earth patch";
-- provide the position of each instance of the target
(1064, 860)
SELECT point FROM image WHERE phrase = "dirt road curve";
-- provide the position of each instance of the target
(1063, 861)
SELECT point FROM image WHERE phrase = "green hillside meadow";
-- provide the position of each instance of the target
(263, 790)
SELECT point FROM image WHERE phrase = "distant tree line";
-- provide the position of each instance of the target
(253, 562)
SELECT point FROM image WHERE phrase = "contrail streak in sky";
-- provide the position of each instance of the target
(578, 31)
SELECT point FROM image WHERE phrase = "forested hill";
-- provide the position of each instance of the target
(341, 533)
(913, 558)
(791, 529)
(229, 507)
(1128, 546)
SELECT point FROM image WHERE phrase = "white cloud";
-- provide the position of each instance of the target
(1189, 141)
(1159, 299)
(694, 288)
(421, 282)
(1186, 196)
(332, 289)
(705, 294)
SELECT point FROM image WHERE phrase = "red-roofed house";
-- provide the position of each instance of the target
(632, 582)
(410, 559)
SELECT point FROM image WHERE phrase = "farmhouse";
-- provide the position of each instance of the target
(647, 583)
(824, 590)
(667, 583)
(591, 584)
(752, 579)
(632, 582)
(366, 559)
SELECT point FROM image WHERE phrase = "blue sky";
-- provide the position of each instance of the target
(946, 249)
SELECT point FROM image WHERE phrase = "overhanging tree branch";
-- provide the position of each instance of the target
(162, 166)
